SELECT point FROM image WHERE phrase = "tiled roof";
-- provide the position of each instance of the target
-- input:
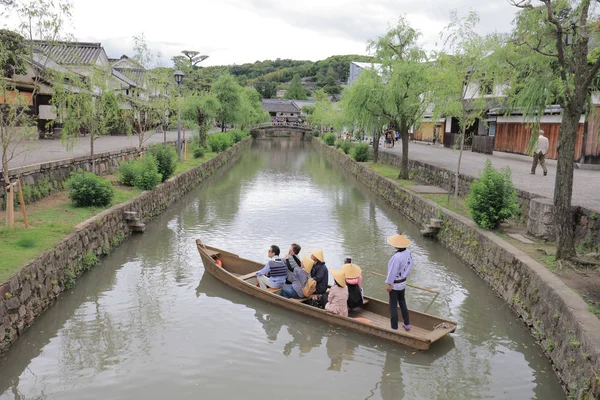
(136, 74)
(70, 53)
(272, 105)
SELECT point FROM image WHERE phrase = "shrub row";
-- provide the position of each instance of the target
(156, 166)
(219, 142)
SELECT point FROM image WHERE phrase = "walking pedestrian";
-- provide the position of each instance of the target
(540, 153)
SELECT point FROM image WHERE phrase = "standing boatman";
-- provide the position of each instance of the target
(399, 268)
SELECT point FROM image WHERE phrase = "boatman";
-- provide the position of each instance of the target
(274, 272)
(399, 268)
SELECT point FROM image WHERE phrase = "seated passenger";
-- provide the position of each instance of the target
(292, 261)
(354, 281)
(274, 273)
(319, 271)
(294, 291)
(337, 299)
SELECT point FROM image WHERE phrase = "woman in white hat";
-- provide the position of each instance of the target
(337, 299)
(399, 268)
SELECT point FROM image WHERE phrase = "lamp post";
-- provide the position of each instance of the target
(178, 78)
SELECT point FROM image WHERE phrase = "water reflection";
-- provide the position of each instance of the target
(146, 324)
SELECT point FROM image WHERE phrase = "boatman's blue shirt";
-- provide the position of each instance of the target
(399, 268)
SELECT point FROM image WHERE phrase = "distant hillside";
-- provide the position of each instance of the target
(333, 71)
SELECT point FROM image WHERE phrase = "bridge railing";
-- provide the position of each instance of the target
(269, 124)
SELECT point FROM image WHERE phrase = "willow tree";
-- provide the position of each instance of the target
(250, 111)
(85, 105)
(563, 35)
(469, 75)
(363, 105)
(200, 110)
(398, 88)
(229, 93)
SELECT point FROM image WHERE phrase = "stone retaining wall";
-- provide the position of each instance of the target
(556, 315)
(37, 285)
(39, 180)
(536, 211)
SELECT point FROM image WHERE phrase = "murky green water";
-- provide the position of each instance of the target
(147, 323)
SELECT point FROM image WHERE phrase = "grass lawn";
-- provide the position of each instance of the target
(192, 162)
(442, 199)
(389, 171)
(52, 218)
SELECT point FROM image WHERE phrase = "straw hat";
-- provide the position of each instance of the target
(339, 277)
(398, 241)
(351, 270)
(318, 255)
(307, 263)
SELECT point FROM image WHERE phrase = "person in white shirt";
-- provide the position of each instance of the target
(540, 153)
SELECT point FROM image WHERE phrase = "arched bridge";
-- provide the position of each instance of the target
(270, 131)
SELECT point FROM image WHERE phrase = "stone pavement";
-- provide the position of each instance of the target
(586, 183)
(46, 150)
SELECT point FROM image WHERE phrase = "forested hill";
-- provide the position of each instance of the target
(326, 73)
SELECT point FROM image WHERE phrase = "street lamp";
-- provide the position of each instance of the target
(179, 78)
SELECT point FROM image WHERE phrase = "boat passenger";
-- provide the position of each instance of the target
(399, 268)
(319, 271)
(294, 291)
(292, 261)
(274, 272)
(354, 282)
(337, 299)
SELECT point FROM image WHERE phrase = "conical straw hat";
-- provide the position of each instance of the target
(318, 254)
(307, 263)
(398, 241)
(339, 277)
(351, 270)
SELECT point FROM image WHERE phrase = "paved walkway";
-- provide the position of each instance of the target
(45, 150)
(586, 183)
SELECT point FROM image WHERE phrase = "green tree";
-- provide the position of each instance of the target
(296, 91)
(200, 110)
(326, 114)
(250, 111)
(42, 20)
(266, 88)
(465, 66)
(87, 105)
(558, 38)
(229, 94)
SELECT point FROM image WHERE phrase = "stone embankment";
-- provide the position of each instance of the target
(37, 285)
(537, 212)
(39, 180)
(557, 316)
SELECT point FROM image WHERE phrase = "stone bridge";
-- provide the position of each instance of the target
(270, 131)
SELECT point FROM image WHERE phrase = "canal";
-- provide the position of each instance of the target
(147, 323)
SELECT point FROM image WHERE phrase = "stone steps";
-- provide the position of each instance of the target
(134, 221)
(433, 228)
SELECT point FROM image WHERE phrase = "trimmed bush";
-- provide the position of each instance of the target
(338, 143)
(128, 172)
(148, 176)
(237, 135)
(89, 190)
(360, 152)
(492, 198)
(219, 142)
(329, 138)
(166, 159)
(199, 151)
(316, 133)
(346, 146)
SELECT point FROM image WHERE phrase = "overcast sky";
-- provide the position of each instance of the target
(241, 31)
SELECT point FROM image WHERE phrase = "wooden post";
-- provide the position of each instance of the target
(10, 206)
(184, 146)
(22, 201)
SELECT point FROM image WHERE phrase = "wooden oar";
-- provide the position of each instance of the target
(413, 286)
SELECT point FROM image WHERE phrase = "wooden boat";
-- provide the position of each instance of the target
(372, 318)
